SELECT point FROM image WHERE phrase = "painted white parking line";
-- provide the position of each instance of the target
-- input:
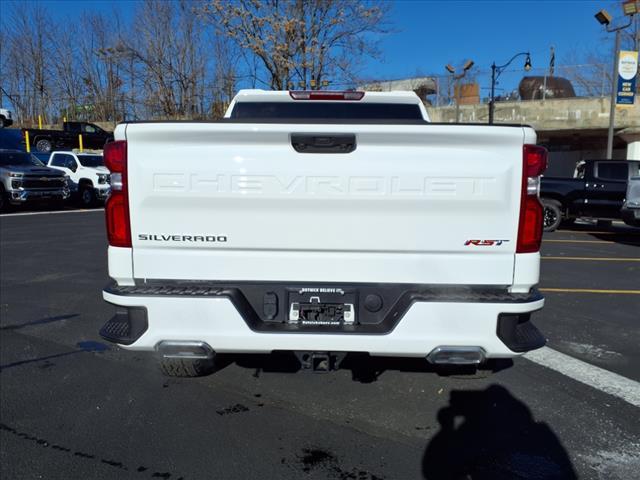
(595, 377)
(82, 210)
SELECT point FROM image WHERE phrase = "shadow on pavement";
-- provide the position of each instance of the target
(364, 368)
(489, 434)
(66, 206)
(41, 321)
(88, 346)
(623, 234)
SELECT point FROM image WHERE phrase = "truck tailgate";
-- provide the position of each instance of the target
(236, 202)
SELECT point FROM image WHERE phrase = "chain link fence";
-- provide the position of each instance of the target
(586, 80)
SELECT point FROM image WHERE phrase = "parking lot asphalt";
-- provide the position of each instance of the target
(75, 407)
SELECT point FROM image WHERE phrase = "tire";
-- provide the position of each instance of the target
(3, 199)
(182, 367)
(2, 120)
(552, 214)
(87, 196)
(43, 145)
(629, 218)
(604, 223)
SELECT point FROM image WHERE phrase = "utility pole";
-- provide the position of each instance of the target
(456, 83)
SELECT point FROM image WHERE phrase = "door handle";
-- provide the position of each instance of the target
(323, 142)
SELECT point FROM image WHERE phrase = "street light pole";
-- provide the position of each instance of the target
(456, 87)
(629, 8)
(493, 92)
(456, 83)
(612, 105)
(496, 71)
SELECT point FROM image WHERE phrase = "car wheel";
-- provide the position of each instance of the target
(43, 145)
(87, 196)
(3, 199)
(552, 215)
(630, 219)
(604, 223)
(184, 367)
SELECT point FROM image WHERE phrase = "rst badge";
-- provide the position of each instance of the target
(484, 243)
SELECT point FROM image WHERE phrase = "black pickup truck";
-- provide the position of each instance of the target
(93, 137)
(597, 191)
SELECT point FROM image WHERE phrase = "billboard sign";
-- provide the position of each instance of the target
(627, 75)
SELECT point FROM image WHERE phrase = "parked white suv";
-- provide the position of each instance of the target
(323, 223)
(90, 179)
(6, 120)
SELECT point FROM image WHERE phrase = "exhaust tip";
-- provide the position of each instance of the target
(185, 349)
(456, 356)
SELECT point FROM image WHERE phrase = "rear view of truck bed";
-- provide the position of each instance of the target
(324, 237)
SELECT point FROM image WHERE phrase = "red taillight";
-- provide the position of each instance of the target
(117, 206)
(325, 95)
(535, 160)
(531, 211)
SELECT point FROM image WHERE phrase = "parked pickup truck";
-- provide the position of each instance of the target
(89, 178)
(322, 223)
(597, 190)
(23, 178)
(93, 137)
(631, 207)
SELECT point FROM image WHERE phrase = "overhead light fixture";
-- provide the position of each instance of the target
(450, 69)
(468, 65)
(603, 17)
(630, 8)
(527, 63)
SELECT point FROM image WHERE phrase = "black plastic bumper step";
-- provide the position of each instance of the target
(126, 326)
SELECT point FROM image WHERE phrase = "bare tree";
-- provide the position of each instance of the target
(225, 75)
(591, 73)
(168, 43)
(178, 59)
(302, 42)
(26, 56)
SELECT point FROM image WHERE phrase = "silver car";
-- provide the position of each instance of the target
(23, 178)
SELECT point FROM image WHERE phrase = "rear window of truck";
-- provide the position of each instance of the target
(323, 110)
(613, 171)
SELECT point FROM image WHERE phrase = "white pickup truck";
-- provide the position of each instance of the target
(323, 223)
(89, 177)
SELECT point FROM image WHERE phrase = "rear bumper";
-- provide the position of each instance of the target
(498, 324)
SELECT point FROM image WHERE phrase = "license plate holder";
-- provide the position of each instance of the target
(331, 307)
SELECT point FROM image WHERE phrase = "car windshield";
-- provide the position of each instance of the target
(19, 158)
(91, 160)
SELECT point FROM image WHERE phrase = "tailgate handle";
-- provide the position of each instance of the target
(323, 142)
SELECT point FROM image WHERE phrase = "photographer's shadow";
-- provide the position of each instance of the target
(489, 434)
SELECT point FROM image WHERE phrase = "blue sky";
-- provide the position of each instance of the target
(433, 33)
